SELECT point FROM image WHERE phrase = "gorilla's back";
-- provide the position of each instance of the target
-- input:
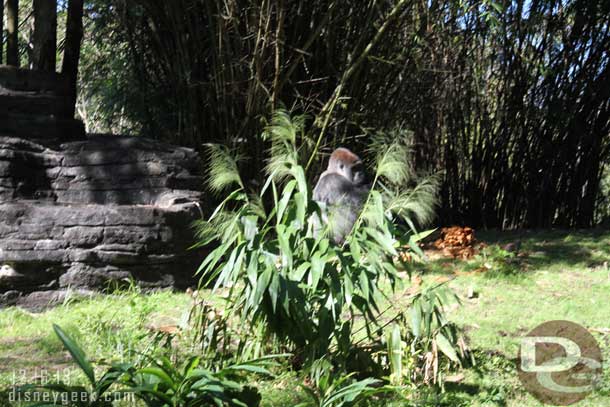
(343, 202)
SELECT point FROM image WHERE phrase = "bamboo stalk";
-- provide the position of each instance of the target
(332, 102)
(1, 31)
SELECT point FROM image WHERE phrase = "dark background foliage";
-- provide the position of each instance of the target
(508, 99)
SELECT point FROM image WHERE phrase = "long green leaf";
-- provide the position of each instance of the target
(160, 374)
(445, 346)
(77, 353)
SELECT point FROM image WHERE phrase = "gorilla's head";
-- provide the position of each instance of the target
(349, 165)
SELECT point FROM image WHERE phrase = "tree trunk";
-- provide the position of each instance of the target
(45, 35)
(1, 31)
(74, 36)
(12, 21)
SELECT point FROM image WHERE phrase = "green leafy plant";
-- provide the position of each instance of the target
(158, 384)
(287, 281)
(162, 384)
(96, 394)
(427, 345)
(494, 261)
(341, 392)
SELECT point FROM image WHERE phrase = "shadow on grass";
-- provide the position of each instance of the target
(464, 394)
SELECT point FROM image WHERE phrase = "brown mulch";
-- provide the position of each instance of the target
(457, 242)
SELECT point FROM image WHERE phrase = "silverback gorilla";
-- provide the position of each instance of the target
(342, 188)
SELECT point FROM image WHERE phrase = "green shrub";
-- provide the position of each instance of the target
(425, 344)
(300, 288)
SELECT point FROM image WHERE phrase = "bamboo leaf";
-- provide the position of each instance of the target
(286, 197)
(445, 346)
(416, 319)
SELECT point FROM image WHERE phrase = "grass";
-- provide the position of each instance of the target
(556, 275)
(110, 327)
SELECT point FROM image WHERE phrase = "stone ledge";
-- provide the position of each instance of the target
(102, 170)
(88, 213)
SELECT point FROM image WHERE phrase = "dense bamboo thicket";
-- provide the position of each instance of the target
(508, 99)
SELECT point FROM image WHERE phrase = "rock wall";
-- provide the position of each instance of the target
(87, 213)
